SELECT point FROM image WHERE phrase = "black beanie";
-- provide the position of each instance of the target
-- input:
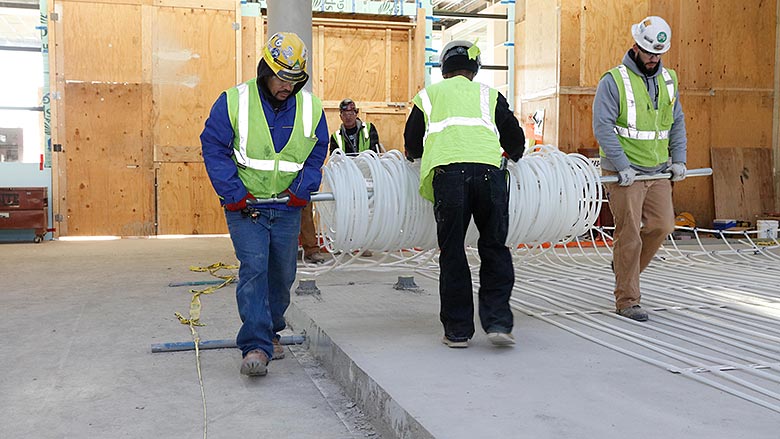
(459, 62)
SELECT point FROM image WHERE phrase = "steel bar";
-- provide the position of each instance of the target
(701, 172)
(217, 344)
(327, 196)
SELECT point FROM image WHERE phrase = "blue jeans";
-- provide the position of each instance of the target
(267, 248)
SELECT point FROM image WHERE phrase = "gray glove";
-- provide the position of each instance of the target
(678, 171)
(626, 177)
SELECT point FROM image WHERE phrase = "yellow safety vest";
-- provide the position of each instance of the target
(460, 127)
(265, 172)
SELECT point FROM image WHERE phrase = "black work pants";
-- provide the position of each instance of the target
(463, 190)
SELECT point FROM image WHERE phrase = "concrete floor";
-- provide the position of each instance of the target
(78, 320)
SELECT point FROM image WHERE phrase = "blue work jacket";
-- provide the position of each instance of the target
(217, 145)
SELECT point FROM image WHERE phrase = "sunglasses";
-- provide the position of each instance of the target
(650, 54)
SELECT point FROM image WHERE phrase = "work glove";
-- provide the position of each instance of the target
(295, 201)
(240, 204)
(627, 176)
(678, 171)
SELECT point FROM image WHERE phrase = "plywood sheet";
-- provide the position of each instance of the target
(356, 64)
(114, 2)
(193, 62)
(251, 46)
(538, 61)
(691, 51)
(178, 153)
(187, 203)
(227, 5)
(742, 179)
(101, 42)
(110, 182)
(605, 34)
(743, 41)
(399, 69)
(576, 123)
(695, 195)
(570, 62)
(742, 118)
(390, 127)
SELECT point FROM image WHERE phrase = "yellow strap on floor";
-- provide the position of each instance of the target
(195, 302)
(194, 321)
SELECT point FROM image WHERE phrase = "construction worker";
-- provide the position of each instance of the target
(459, 128)
(639, 124)
(353, 136)
(266, 138)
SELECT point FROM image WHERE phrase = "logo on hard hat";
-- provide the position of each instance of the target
(661, 37)
(288, 52)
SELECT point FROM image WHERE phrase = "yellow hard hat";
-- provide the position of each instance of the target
(285, 53)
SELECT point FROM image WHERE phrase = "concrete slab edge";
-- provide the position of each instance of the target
(387, 416)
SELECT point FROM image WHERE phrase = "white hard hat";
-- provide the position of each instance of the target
(652, 34)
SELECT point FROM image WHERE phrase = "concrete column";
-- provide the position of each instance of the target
(292, 16)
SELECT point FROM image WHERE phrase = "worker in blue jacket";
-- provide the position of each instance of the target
(266, 138)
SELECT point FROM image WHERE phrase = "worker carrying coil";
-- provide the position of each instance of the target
(266, 138)
(639, 124)
(459, 128)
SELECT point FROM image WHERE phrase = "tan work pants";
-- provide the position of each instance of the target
(308, 235)
(644, 217)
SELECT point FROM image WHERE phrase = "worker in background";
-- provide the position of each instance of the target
(266, 138)
(459, 128)
(639, 124)
(353, 136)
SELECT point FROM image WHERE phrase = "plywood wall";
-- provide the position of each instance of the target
(193, 60)
(724, 53)
(106, 168)
(137, 91)
(375, 65)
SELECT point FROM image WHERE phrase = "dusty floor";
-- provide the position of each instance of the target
(78, 319)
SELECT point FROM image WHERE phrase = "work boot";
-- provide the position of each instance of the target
(460, 344)
(278, 350)
(255, 364)
(634, 313)
(367, 254)
(501, 338)
(314, 258)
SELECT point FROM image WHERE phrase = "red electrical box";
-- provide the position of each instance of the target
(24, 208)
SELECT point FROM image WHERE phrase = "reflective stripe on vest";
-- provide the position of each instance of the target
(243, 130)
(484, 105)
(460, 127)
(631, 131)
(365, 138)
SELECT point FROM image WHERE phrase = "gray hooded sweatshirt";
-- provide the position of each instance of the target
(606, 108)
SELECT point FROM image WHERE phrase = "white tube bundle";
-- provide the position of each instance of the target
(552, 197)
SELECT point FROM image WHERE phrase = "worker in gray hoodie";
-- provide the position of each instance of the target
(639, 124)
